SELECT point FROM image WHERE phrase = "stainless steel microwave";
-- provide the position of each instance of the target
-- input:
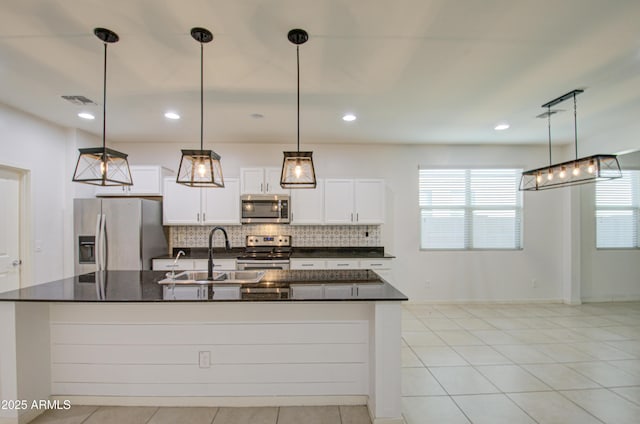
(260, 209)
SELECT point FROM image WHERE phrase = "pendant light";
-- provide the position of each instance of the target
(100, 165)
(297, 167)
(578, 171)
(200, 168)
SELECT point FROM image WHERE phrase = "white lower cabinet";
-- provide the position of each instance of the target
(307, 264)
(307, 291)
(225, 292)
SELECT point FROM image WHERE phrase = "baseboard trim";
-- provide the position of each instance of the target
(600, 299)
(213, 401)
(480, 301)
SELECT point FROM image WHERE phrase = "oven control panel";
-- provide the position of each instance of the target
(268, 241)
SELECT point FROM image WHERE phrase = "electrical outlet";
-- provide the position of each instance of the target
(204, 359)
(427, 284)
(534, 283)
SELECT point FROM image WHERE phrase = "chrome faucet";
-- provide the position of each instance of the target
(227, 246)
(175, 263)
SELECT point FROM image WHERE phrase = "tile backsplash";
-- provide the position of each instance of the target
(301, 236)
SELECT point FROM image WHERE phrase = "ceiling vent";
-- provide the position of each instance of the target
(79, 100)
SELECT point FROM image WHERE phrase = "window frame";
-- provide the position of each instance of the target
(635, 187)
(469, 209)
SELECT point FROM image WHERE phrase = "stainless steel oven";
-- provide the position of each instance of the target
(274, 209)
(265, 252)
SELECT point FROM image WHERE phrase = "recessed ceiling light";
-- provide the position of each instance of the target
(86, 115)
(172, 115)
(349, 117)
(501, 127)
(257, 115)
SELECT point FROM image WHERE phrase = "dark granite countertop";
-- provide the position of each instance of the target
(142, 286)
(297, 253)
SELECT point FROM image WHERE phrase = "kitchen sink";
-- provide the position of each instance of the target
(226, 277)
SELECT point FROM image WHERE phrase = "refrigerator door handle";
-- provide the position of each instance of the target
(97, 242)
(104, 247)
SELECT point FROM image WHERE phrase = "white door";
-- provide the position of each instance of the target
(222, 205)
(252, 180)
(338, 202)
(181, 204)
(307, 206)
(9, 230)
(272, 181)
(369, 201)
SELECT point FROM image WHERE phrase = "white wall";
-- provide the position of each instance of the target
(47, 152)
(459, 276)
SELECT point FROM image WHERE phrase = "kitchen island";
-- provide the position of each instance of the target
(115, 338)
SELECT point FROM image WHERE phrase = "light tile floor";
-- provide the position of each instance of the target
(529, 363)
(479, 363)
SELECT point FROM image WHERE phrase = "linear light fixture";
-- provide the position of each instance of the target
(100, 165)
(297, 167)
(574, 172)
(200, 168)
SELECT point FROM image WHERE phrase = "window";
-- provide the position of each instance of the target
(470, 209)
(617, 212)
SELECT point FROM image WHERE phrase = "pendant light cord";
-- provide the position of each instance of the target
(549, 126)
(575, 124)
(104, 105)
(201, 96)
(298, 60)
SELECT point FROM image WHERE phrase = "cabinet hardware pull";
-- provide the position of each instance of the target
(198, 217)
(357, 217)
(267, 187)
(343, 264)
(261, 187)
(307, 264)
(351, 216)
(204, 216)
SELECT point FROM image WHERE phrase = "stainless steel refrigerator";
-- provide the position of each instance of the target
(117, 234)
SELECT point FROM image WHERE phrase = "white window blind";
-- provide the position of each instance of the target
(470, 209)
(617, 203)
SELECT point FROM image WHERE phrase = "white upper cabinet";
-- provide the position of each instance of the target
(369, 201)
(184, 205)
(307, 205)
(338, 201)
(222, 205)
(348, 201)
(147, 181)
(261, 181)
(181, 204)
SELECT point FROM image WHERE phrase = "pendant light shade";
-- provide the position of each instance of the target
(584, 170)
(100, 165)
(200, 168)
(297, 167)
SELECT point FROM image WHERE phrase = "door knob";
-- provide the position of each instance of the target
(17, 262)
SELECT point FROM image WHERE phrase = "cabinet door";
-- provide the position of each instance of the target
(338, 291)
(307, 206)
(307, 291)
(222, 205)
(167, 265)
(272, 181)
(113, 190)
(181, 204)
(228, 292)
(338, 201)
(252, 180)
(146, 181)
(343, 264)
(307, 264)
(369, 201)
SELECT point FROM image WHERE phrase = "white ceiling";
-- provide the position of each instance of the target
(413, 71)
